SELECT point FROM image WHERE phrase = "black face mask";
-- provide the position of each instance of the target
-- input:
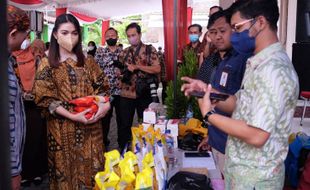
(111, 41)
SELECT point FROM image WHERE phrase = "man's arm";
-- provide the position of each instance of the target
(227, 106)
(239, 129)
(153, 69)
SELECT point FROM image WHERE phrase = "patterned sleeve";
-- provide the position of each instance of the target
(154, 57)
(100, 82)
(269, 98)
(122, 55)
(98, 56)
(44, 88)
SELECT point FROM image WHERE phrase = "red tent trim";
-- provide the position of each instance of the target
(28, 2)
(83, 17)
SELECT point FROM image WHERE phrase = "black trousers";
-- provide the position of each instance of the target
(164, 93)
(35, 150)
(107, 119)
(128, 107)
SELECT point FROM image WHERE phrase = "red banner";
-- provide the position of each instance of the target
(104, 27)
(60, 11)
(83, 17)
(28, 2)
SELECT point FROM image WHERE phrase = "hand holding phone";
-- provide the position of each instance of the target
(213, 96)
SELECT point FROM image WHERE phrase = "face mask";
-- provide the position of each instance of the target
(25, 44)
(193, 37)
(242, 42)
(67, 43)
(111, 41)
(133, 40)
(91, 48)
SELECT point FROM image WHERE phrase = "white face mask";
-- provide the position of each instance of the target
(26, 43)
(91, 48)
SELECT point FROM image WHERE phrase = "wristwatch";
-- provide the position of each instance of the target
(206, 117)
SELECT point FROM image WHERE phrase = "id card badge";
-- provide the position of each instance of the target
(224, 78)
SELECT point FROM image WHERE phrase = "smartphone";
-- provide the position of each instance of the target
(196, 154)
(213, 96)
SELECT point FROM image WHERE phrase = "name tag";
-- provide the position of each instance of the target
(224, 78)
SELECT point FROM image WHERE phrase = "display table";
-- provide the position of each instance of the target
(208, 168)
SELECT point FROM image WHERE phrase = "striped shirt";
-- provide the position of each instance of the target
(16, 120)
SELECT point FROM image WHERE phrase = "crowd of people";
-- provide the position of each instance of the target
(240, 56)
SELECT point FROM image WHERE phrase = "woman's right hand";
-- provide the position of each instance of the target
(204, 145)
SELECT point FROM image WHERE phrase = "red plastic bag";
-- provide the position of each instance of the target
(86, 101)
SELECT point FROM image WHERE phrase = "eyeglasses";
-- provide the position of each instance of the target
(237, 26)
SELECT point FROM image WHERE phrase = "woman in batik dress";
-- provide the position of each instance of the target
(75, 150)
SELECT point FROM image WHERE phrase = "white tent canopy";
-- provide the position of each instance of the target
(100, 9)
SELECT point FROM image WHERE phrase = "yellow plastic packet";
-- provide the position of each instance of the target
(132, 160)
(100, 178)
(144, 179)
(148, 160)
(136, 139)
(128, 177)
(112, 159)
(112, 182)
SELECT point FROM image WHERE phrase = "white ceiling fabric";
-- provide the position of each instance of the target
(101, 9)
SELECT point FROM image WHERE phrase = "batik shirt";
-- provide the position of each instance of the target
(128, 57)
(266, 100)
(16, 120)
(105, 57)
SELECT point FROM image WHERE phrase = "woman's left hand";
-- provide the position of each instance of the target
(103, 109)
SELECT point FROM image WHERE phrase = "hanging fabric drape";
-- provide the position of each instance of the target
(189, 21)
(182, 27)
(104, 27)
(28, 2)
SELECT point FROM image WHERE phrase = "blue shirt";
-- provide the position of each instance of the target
(16, 121)
(227, 79)
(208, 67)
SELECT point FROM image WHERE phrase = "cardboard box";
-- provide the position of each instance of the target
(146, 126)
(161, 125)
(173, 126)
(149, 116)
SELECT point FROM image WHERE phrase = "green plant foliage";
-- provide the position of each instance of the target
(188, 68)
(121, 27)
(93, 33)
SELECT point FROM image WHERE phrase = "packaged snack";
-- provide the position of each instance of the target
(112, 160)
(100, 178)
(111, 183)
(86, 101)
(160, 166)
(127, 176)
(133, 161)
(144, 179)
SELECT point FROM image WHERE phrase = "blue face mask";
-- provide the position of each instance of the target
(193, 37)
(242, 42)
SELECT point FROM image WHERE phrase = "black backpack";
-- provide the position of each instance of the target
(189, 181)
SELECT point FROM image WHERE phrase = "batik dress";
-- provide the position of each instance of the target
(75, 150)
